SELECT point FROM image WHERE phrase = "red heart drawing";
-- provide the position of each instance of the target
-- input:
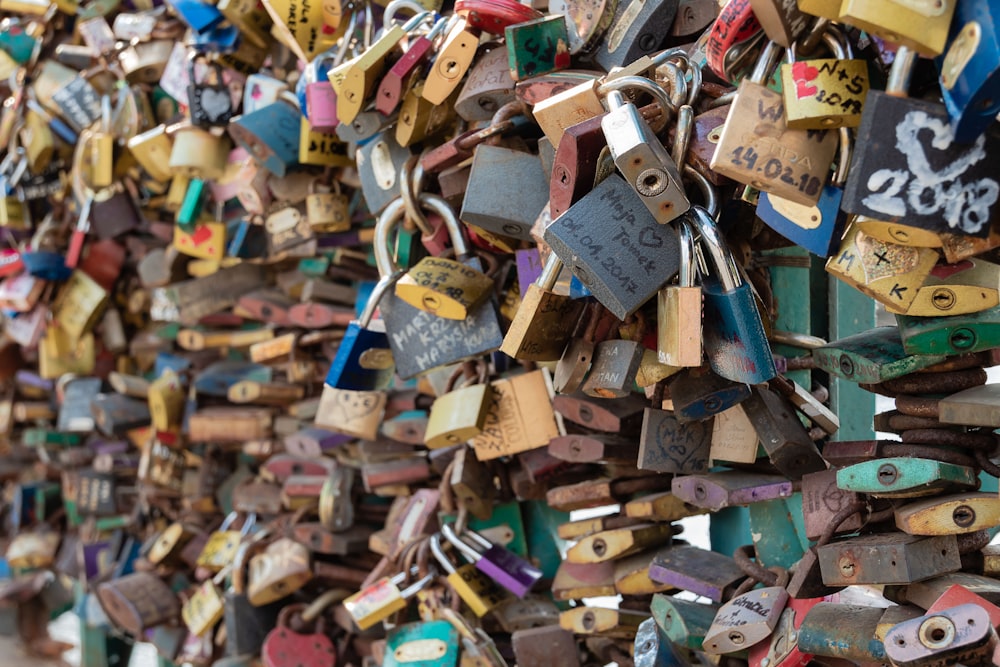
(804, 71)
(802, 89)
(201, 234)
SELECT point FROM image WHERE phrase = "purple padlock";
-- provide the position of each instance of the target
(499, 564)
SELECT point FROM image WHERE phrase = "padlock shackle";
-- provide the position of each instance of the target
(766, 62)
(898, 84)
(722, 260)
(412, 589)
(844, 150)
(394, 212)
(463, 547)
(687, 270)
(439, 555)
(380, 289)
(638, 83)
(708, 190)
(550, 272)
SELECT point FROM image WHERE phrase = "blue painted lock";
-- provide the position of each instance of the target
(816, 228)
(200, 16)
(270, 135)
(46, 265)
(364, 361)
(220, 39)
(735, 342)
(970, 69)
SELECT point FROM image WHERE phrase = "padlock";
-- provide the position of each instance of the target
(967, 73)
(380, 600)
(666, 445)
(746, 619)
(539, 329)
(327, 211)
(703, 572)
(520, 416)
(819, 227)
(270, 135)
(621, 281)
(895, 180)
(781, 434)
(821, 94)
(403, 74)
(947, 335)
(499, 564)
(476, 589)
(487, 87)
(497, 172)
(614, 367)
(432, 642)
(729, 488)
(420, 340)
(363, 360)
(889, 273)
(284, 646)
(962, 633)
(735, 344)
(204, 609)
(283, 568)
(889, 558)
(197, 153)
(637, 29)
(320, 98)
(458, 415)
(678, 308)
(152, 150)
(138, 601)
(638, 154)
(222, 544)
(454, 57)
(955, 289)
(209, 100)
(757, 148)
(364, 72)
(922, 27)
(444, 287)
(537, 47)
(351, 412)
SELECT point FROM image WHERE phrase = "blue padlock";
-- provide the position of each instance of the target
(735, 342)
(46, 265)
(270, 135)
(199, 16)
(816, 228)
(970, 69)
(363, 361)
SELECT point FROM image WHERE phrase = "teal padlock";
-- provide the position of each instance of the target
(958, 334)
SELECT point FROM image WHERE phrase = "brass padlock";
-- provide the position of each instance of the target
(757, 148)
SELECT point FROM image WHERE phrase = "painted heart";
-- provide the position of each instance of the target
(803, 71)
(804, 90)
(881, 260)
(216, 104)
(201, 234)
(650, 238)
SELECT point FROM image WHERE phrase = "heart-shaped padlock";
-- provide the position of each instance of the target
(285, 647)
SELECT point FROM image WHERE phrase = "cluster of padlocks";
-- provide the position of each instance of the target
(321, 317)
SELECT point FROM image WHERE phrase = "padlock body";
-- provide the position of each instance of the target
(758, 148)
(917, 174)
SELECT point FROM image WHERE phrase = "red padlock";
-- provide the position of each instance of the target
(284, 647)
